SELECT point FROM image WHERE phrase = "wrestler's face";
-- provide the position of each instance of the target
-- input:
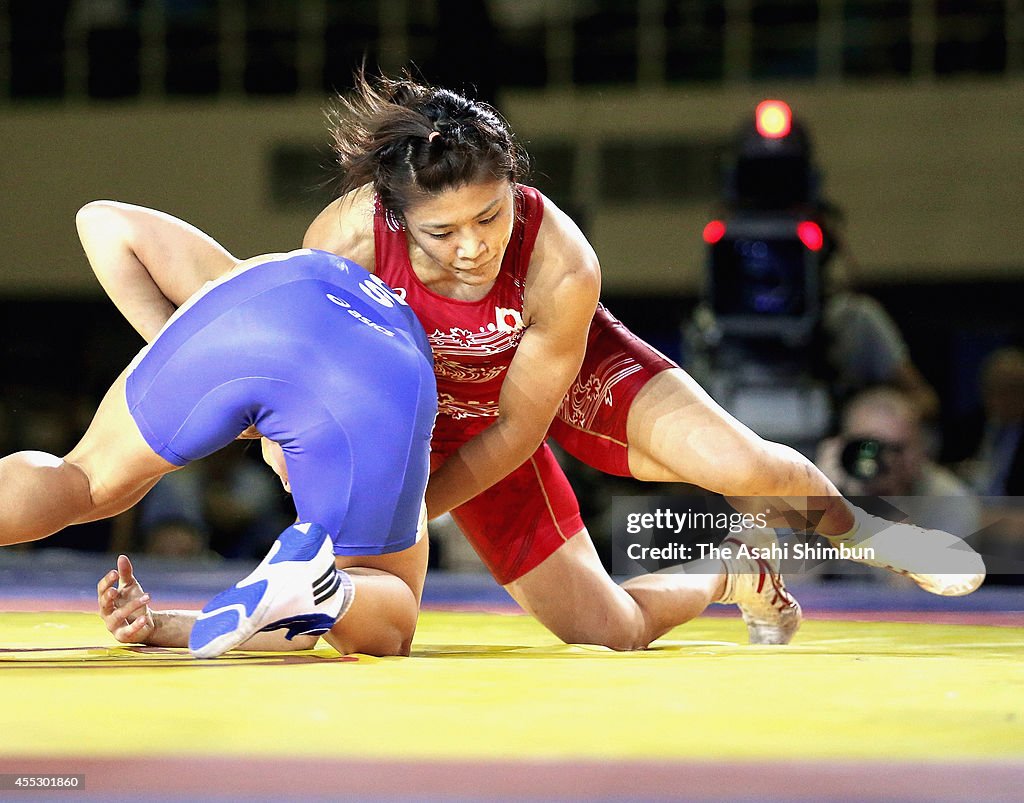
(465, 231)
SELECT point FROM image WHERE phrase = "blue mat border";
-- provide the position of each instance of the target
(70, 576)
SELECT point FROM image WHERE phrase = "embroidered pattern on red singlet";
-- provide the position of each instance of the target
(473, 342)
(453, 348)
(587, 394)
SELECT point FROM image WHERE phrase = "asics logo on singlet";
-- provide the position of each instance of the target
(358, 315)
(375, 289)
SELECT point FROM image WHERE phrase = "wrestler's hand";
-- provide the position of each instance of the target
(250, 434)
(273, 456)
(124, 605)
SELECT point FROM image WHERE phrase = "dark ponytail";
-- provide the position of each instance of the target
(410, 141)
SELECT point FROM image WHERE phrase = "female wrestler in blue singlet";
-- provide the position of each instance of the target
(335, 372)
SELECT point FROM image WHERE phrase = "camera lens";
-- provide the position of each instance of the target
(863, 459)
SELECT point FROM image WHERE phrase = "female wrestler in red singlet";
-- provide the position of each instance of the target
(506, 287)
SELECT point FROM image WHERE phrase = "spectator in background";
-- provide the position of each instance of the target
(881, 451)
(177, 538)
(998, 465)
(997, 469)
(865, 346)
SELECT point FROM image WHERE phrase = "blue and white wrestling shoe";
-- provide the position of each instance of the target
(295, 587)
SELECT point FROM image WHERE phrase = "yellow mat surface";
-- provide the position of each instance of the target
(496, 687)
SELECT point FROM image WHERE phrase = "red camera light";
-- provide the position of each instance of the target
(714, 231)
(774, 119)
(810, 234)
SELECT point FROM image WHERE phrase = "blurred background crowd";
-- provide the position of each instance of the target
(841, 270)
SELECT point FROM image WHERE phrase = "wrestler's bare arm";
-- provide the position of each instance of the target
(147, 261)
(124, 608)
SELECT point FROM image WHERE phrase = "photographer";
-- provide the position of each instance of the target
(880, 451)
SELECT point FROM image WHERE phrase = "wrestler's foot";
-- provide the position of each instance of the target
(937, 561)
(753, 582)
(295, 587)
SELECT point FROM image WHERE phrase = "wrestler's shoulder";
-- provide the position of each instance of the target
(562, 254)
(345, 227)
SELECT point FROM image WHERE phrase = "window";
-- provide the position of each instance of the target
(876, 38)
(694, 41)
(605, 44)
(785, 43)
(971, 36)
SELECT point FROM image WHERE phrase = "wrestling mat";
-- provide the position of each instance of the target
(491, 706)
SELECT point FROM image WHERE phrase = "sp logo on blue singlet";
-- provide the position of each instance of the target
(375, 288)
(358, 315)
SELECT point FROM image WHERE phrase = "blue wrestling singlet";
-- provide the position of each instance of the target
(322, 358)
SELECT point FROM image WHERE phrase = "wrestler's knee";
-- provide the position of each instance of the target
(621, 636)
(602, 619)
(623, 639)
(395, 635)
(388, 637)
(382, 619)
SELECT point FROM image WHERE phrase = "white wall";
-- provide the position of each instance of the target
(930, 176)
(206, 163)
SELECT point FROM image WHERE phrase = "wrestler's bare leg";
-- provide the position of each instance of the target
(110, 469)
(572, 595)
(381, 620)
(678, 433)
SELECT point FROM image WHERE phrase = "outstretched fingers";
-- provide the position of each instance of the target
(103, 588)
(123, 605)
(125, 571)
(134, 631)
(128, 620)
